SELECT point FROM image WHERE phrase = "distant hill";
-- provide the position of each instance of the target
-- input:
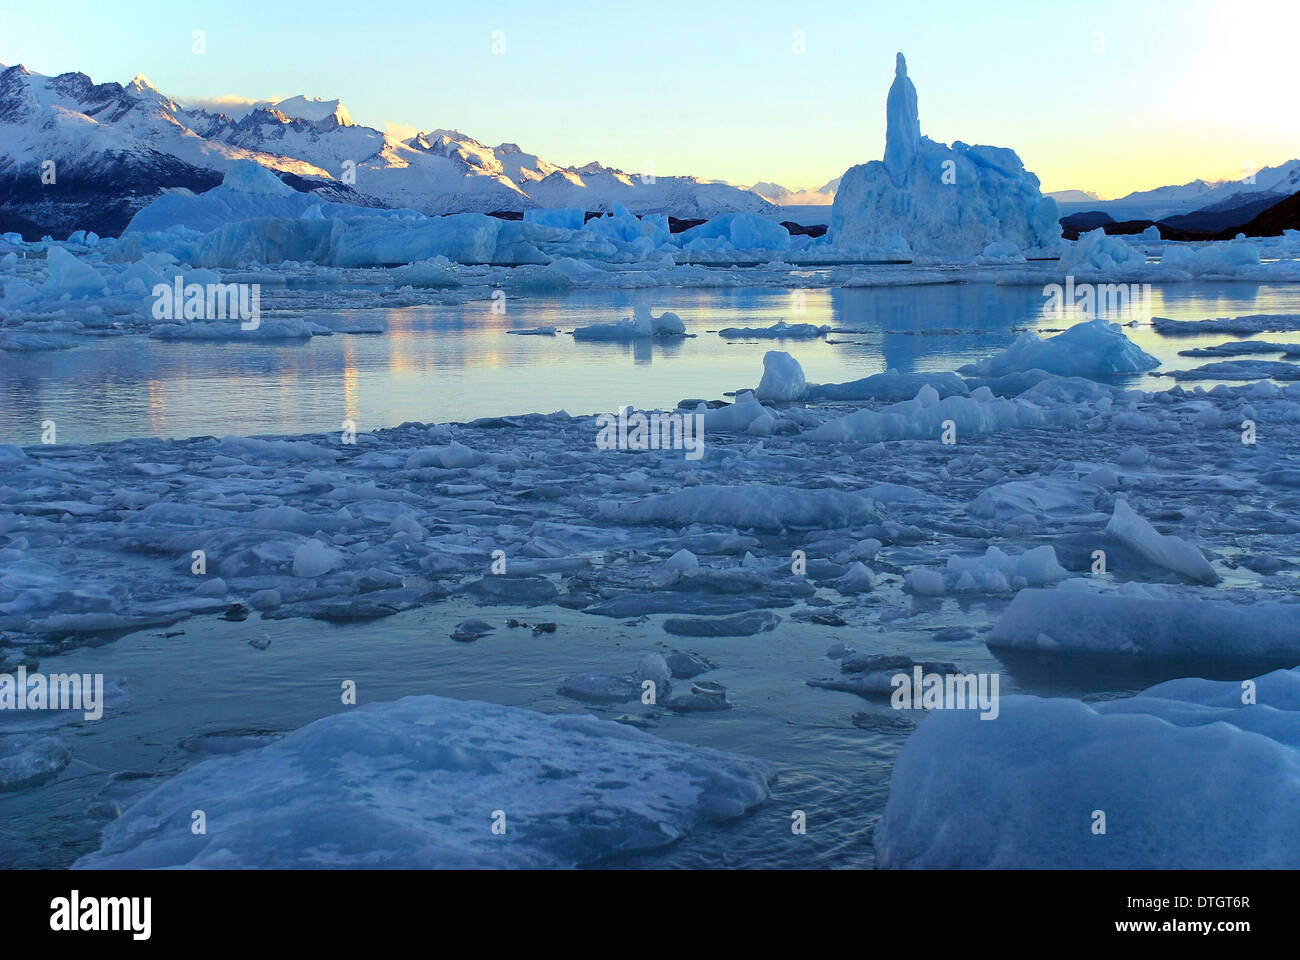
(1273, 221)
(1233, 211)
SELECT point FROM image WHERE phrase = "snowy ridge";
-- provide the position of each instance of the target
(114, 149)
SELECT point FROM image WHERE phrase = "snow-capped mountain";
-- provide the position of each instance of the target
(592, 186)
(429, 173)
(787, 197)
(1269, 185)
(79, 154)
(115, 148)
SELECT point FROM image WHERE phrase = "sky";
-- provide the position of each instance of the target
(1102, 96)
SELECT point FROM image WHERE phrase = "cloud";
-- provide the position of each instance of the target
(400, 131)
(232, 106)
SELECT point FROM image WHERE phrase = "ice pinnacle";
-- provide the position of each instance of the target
(902, 124)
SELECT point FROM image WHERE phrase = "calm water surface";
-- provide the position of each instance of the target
(457, 362)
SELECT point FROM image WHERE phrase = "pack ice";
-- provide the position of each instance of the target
(101, 538)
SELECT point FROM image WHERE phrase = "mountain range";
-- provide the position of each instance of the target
(1266, 186)
(114, 148)
(1263, 189)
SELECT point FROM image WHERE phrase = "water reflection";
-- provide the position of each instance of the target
(457, 362)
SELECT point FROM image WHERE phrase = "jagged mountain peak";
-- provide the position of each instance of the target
(140, 84)
(316, 110)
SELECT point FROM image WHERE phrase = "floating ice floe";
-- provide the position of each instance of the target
(1110, 621)
(1093, 349)
(1240, 370)
(1241, 326)
(29, 759)
(891, 385)
(100, 539)
(641, 324)
(1236, 348)
(777, 331)
(606, 688)
(1189, 774)
(739, 625)
(994, 572)
(1173, 553)
(926, 417)
(471, 629)
(872, 675)
(419, 783)
(752, 506)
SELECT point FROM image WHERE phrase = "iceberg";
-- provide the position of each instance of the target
(939, 200)
(68, 275)
(249, 191)
(743, 231)
(1098, 253)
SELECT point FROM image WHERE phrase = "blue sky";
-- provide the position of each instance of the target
(1107, 96)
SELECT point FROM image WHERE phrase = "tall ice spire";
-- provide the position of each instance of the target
(902, 124)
